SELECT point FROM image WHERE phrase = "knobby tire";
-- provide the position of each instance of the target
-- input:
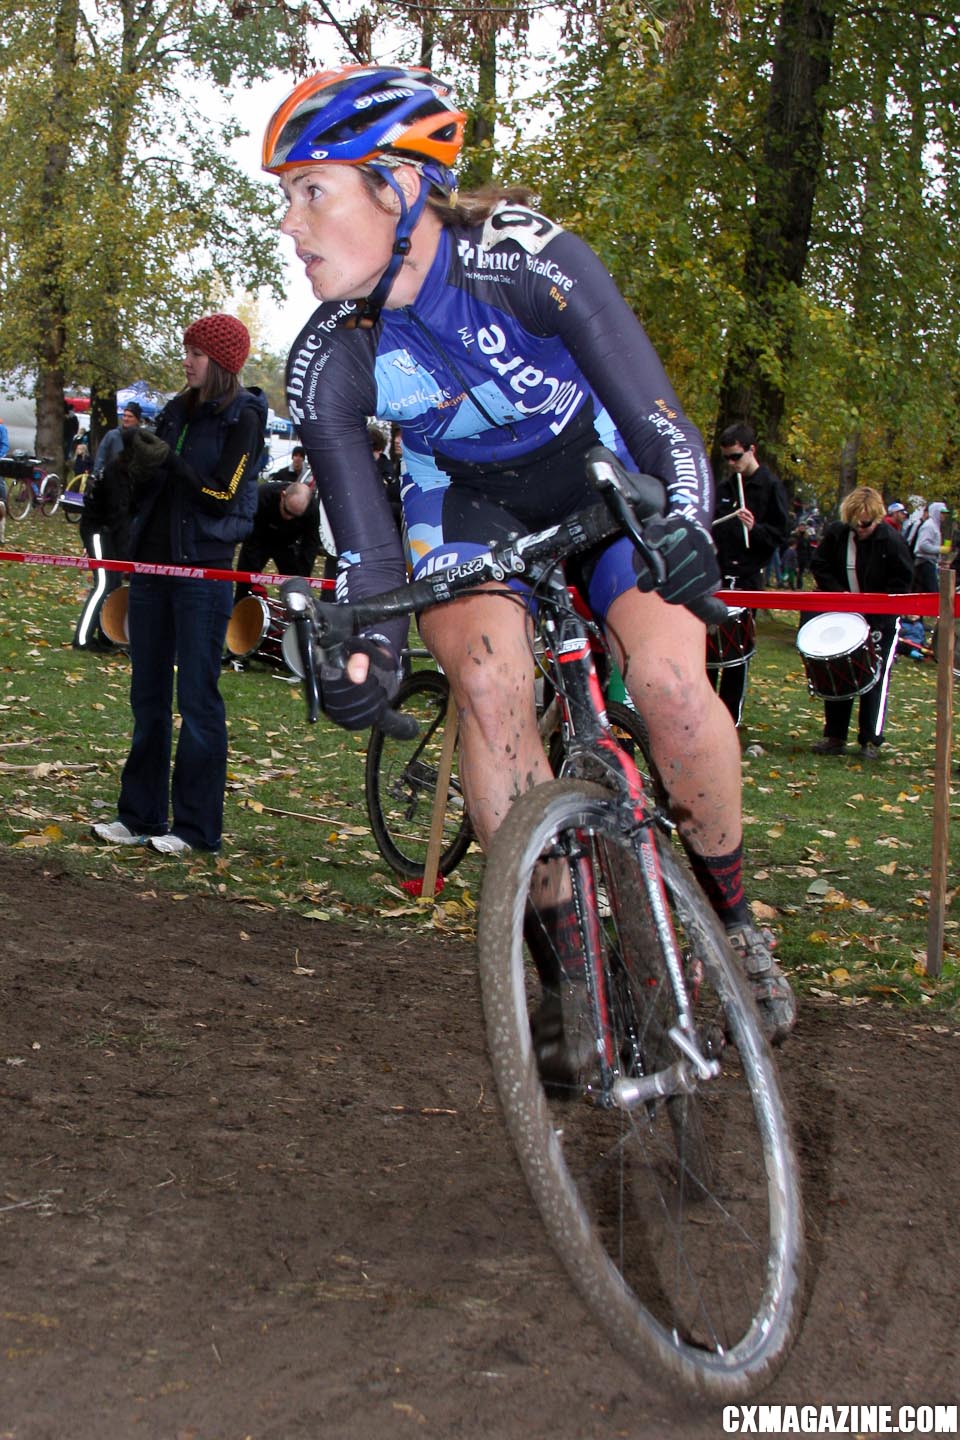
(679, 1220)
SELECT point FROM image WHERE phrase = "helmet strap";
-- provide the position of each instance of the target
(367, 311)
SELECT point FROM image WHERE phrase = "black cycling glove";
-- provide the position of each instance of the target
(353, 706)
(690, 567)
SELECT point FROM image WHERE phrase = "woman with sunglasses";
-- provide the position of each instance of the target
(858, 552)
(500, 346)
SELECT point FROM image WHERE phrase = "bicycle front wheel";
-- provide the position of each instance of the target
(19, 499)
(400, 783)
(50, 492)
(677, 1214)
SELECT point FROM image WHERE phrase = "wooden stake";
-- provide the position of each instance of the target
(941, 774)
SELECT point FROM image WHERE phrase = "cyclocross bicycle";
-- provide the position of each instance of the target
(400, 775)
(664, 1169)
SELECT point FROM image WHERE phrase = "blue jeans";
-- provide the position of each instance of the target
(182, 623)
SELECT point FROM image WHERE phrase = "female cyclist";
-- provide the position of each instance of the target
(500, 346)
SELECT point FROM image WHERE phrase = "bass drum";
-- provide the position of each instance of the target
(113, 615)
(255, 630)
(839, 655)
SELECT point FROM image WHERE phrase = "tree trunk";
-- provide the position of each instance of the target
(752, 388)
(478, 140)
(53, 203)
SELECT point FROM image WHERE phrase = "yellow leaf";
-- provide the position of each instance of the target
(254, 805)
(840, 976)
(852, 843)
(775, 832)
(31, 842)
(888, 869)
(762, 911)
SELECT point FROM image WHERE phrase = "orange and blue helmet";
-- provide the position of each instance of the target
(365, 114)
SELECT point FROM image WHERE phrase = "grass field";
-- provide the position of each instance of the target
(838, 850)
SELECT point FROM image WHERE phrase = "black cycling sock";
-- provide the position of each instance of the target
(721, 879)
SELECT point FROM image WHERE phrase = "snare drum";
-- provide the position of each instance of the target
(839, 655)
(256, 629)
(732, 642)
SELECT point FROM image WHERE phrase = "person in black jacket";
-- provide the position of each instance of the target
(751, 521)
(194, 498)
(859, 552)
(286, 530)
(105, 531)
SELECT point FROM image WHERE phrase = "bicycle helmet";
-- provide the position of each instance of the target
(364, 113)
(380, 117)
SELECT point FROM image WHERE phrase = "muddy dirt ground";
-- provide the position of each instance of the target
(255, 1183)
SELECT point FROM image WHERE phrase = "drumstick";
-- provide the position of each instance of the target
(743, 506)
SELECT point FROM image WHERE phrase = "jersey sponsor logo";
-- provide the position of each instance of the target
(551, 271)
(528, 382)
(483, 264)
(405, 363)
(430, 399)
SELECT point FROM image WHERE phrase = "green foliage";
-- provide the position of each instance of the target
(149, 221)
(657, 159)
(837, 851)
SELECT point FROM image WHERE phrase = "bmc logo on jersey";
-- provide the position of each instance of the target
(473, 258)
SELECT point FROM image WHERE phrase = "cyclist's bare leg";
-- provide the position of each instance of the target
(484, 644)
(661, 651)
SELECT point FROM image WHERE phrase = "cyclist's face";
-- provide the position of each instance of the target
(195, 366)
(343, 236)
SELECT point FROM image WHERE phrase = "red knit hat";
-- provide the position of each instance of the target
(223, 337)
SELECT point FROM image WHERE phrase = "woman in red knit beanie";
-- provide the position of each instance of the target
(194, 498)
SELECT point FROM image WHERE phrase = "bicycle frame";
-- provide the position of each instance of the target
(589, 740)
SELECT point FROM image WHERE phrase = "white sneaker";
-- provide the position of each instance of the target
(169, 845)
(115, 832)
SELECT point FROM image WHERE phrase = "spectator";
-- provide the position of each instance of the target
(389, 471)
(286, 530)
(788, 560)
(927, 548)
(293, 471)
(916, 517)
(112, 443)
(913, 637)
(105, 531)
(804, 543)
(895, 516)
(71, 425)
(751, 522)
(194, 497)
(857, 552)
(4, 450)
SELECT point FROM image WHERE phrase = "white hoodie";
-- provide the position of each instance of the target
(929, 539)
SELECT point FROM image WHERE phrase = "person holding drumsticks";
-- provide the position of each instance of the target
(859, 552)
(752, 520)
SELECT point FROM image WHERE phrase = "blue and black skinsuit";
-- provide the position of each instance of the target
(518, 355)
